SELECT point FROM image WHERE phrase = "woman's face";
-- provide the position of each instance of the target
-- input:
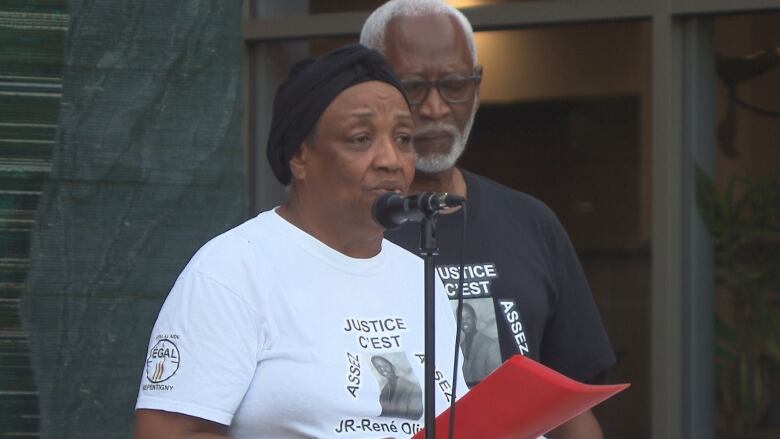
(360, 148)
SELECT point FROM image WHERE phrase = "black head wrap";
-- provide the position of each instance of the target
(310, 88)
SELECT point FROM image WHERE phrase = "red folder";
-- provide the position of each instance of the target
(522, 399)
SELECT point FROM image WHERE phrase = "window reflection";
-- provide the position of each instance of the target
(742, 209)
(565, 116)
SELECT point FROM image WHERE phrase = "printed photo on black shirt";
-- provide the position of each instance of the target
(478, 339)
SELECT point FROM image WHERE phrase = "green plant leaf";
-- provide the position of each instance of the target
(706, 198)
(772, 345)
(744, 221)
(745, 383)
(759, 394)
(723, 331)
(772, 337)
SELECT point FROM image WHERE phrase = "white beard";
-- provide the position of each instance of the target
(438, 162)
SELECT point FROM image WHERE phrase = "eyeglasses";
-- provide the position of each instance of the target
(453, 89)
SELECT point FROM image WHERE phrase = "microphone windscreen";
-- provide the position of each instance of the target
(383, 208)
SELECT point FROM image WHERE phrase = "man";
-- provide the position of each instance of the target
(516, 251)
(399, 397)
(268, 331)
(481, 354)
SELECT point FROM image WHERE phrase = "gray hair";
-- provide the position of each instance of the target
(373, 33)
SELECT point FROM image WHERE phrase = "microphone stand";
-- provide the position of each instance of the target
(428, 250)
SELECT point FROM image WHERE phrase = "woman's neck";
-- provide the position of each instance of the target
(344, 238)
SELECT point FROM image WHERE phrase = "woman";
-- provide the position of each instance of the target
(270, 329)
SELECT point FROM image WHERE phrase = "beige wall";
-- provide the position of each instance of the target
(582, 60)
(564, 61)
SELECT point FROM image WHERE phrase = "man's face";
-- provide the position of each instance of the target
(383, 367)
(434, 47)
(469, 322)
(360, 148)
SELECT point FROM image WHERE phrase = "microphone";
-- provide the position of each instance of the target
(391, 209)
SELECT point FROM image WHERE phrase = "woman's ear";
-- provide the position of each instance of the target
(298, 162)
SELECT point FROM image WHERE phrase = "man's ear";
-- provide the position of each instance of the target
(478, 73)
(298, 162)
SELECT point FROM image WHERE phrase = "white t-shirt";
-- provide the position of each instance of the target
(272, 332)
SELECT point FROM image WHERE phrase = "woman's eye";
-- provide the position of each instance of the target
(404, 141)
(360, 140)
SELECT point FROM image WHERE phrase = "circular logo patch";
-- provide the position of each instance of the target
(163, 361)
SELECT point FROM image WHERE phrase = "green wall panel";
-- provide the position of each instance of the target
(146, 165)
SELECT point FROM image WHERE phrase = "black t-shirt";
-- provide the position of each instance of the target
(523, 283)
